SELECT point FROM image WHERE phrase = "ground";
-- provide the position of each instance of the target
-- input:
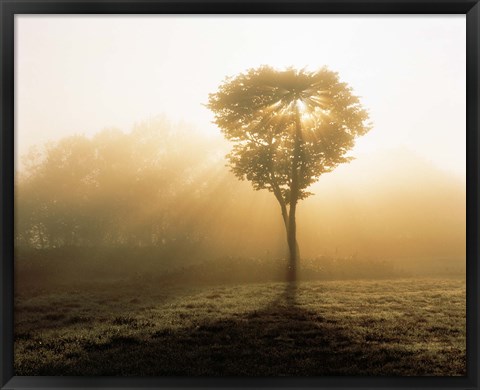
(130, 328)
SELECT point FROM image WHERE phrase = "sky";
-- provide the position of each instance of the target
(80, 74)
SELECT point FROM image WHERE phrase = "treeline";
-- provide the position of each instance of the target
(162, 196)
(158, 185)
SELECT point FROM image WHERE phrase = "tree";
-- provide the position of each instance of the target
(113, 189)
(288, 128)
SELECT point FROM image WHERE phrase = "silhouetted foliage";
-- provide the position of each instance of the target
(113, 189)
(288, 128)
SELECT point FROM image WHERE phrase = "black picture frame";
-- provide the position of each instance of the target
(10, 8)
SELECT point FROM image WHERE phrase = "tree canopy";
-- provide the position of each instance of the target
(257, 110)
(113, 188)
(288, 128)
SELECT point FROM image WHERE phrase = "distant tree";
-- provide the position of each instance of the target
(288, 128)
(112, 189)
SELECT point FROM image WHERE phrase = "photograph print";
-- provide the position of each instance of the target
(240, 196)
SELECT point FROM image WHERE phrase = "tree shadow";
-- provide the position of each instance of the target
(282, 339)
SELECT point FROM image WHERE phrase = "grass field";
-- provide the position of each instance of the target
(399, 327)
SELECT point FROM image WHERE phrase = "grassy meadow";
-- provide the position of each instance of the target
(399, 327)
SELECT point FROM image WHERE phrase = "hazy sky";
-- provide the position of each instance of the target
(80, 74)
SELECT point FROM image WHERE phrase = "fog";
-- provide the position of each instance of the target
(160, 198)
(240, 195)
(77, 74)
(157, 194)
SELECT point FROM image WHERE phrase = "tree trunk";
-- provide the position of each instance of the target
(292, 244)
(294, 193)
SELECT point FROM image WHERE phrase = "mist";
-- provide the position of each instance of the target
(297, 210)
(160, 200)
